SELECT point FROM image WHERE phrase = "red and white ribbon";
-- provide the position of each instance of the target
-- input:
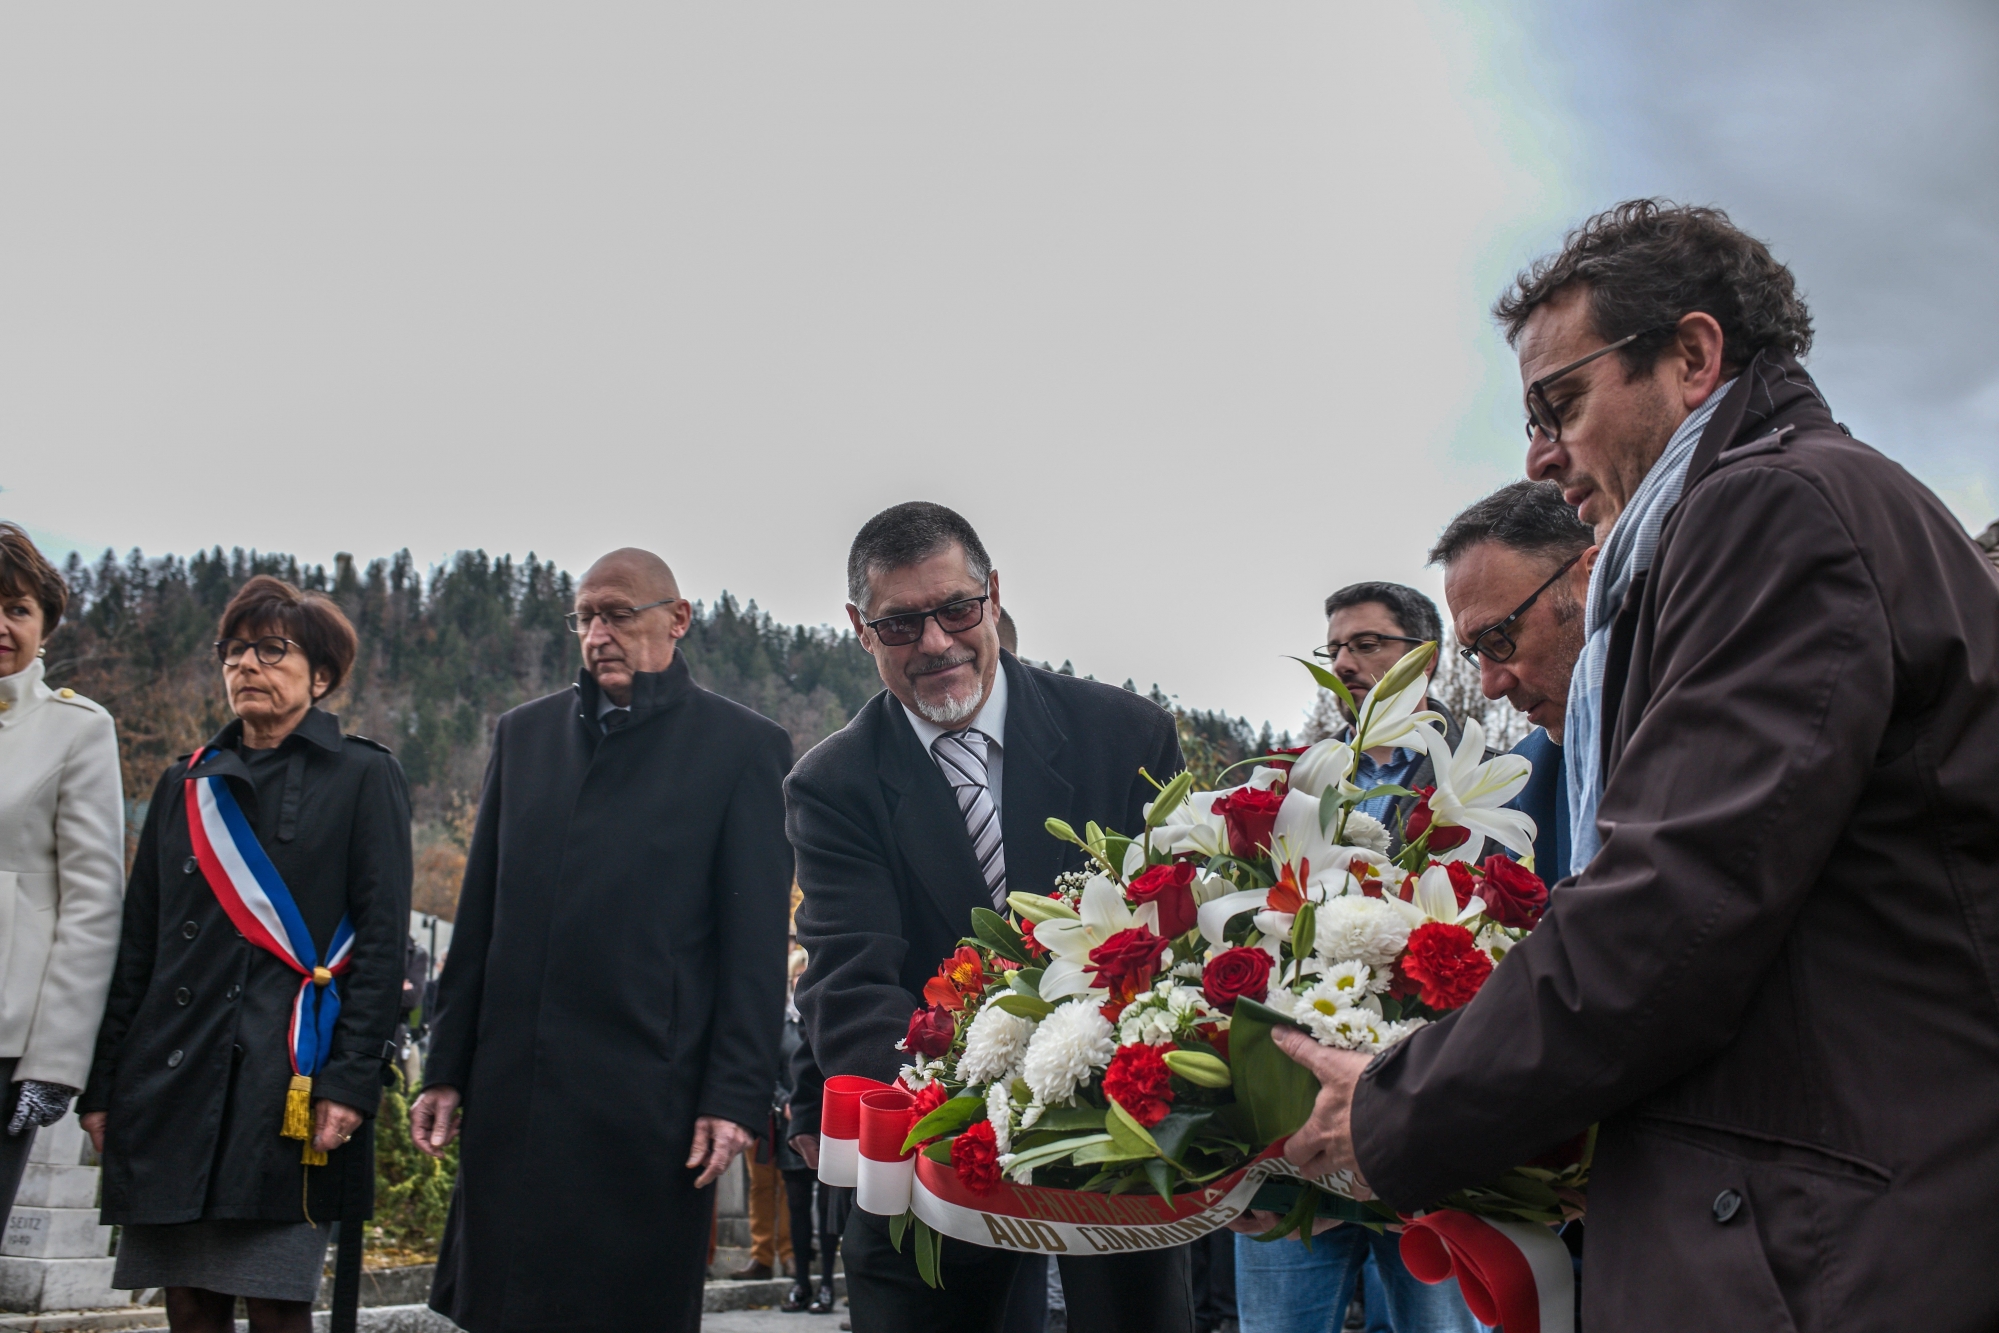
(1514, 1275)
(885, 1172)
(840, 1128)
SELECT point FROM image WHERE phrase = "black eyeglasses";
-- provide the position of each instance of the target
(270, 649)
(1493, 643)
(1363, 645)
(618, 617)
(952, 617)
(1541, 414)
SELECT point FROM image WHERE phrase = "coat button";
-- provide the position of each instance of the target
(189, 866)
(183, 995)
(1726, 1205)
(173, 1061)
(234, 991)
(190, 930)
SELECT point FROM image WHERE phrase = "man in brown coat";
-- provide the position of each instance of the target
(1776, 985)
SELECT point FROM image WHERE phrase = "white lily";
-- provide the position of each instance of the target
(1470, 793)
(1435, 900)
(1326, 764)
(1391, 721)
(1101, 915)
(1193, 828)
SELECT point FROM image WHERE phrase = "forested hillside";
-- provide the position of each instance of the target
(442, 656)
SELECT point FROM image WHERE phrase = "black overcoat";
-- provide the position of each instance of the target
(192, 1064)
(887, 866)
(617, 970)
(1776, 987)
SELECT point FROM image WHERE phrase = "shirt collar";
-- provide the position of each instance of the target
(990, 719)
(20, 691)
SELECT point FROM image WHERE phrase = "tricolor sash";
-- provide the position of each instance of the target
(256, 900)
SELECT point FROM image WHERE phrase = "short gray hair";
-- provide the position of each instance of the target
(907, 534)
(1528, 516)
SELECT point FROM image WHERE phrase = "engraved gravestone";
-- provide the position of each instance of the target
(54, 1254)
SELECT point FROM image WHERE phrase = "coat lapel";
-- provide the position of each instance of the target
(1033, 790)
(929, 831)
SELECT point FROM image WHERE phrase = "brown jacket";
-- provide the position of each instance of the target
(1777, 985)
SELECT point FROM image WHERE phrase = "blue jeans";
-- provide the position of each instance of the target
(1281, 1287)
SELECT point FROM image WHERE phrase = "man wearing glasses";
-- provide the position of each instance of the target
(1774, 989)
(932, 802)
(610, 1010)
(1516, 573)
(1369, 627)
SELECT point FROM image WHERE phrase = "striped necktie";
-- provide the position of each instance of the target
(962, 757)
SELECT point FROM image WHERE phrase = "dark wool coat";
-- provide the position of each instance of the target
(617, 970)
(192, 1062)
(1777, 985)
(887, 866)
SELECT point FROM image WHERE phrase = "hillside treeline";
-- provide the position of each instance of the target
(442, 656)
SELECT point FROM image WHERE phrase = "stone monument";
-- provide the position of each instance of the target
(55, 1255)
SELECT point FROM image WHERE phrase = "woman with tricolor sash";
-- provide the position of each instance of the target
(249, 1030)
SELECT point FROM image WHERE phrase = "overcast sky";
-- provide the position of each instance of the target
(1182, 304)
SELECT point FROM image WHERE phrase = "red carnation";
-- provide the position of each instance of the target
(1139, 1081)
(1236, 974)
(1514, 895)
(1172, 887)
(1127, 962)
(961, 975)
(928, 1100)
(1446, 963)
(1442, 838)
(930, 1032)
(1249, 813)
(1463, 882)
(975, 1157)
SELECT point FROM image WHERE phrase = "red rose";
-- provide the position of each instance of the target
(929, 1100)
(1442, 838)
(1463, 882)
(962, 974)
(1446, 963)
(930, 1032)
(1127, 962)
(1172, 887)
(1514, 895)
(975, 1157)
(1139, 1081)
(1249, 813)
(1236, 974)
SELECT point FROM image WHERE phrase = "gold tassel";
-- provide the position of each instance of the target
(298, 1111)
(312, 1156)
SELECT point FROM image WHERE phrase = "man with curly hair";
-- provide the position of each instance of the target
(1772, 985)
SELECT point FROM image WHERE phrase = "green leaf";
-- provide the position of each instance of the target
(1025, 1006)
(1161, 1176)
(939, 1152)
(896, 1226)
(1299, 1219)
(1114, 849)
(1037, 908)
(949, 1118)
(1174, 1132)
(1053, 1152)
(998, 935)
(929, 1250)
(1026, 981)
(1106, 1152)
(1385, 789)
(1331, 682)
(1071, 1118)
(1304, 928)
(1278, 1092)
(1128, 1134)
(1199, 1068)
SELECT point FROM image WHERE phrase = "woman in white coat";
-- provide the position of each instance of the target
(62, 864)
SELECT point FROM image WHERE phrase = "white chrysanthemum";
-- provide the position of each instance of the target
(1495, 942)
(1365, 930)
(1394, 1032)
(1165, 1013)
(922, 1074)
(1344, 983)
(994, 1046)
(1364, 830)
(1348, 1028)
(999, 1110)
(1066, 1048)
